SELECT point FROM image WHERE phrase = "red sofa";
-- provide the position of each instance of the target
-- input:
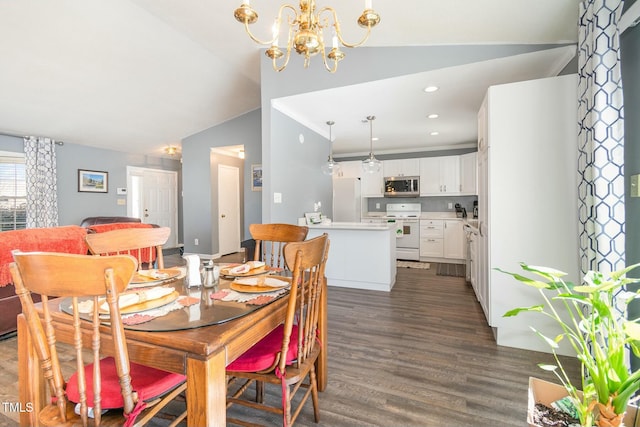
(69, 239)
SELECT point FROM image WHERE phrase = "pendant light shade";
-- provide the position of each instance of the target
(331, 167)
(371, 164)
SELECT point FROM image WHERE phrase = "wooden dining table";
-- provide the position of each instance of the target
(201, 353)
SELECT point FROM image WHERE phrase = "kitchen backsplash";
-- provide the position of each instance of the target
(428, 204)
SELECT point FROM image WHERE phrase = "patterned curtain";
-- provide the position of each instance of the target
(600, 137)
(40, 174)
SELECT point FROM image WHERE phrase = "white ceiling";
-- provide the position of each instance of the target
(137, 75)
(401, 106)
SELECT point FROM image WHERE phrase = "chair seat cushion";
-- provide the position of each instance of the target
(263, 354)
(148, 382)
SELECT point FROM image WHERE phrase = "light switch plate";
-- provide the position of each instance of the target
(121, 191)
(277, 197)
(635, 185)
(122, 202)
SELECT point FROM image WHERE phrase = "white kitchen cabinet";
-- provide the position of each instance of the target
(473, 274)
(468, 174)
(431, 238)
(442, 239)
(401, 167)
(454, 239)
(439, 176)
(372, 184)
(350, 169)
(526, 162)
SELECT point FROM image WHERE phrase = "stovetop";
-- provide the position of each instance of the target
(404, 210)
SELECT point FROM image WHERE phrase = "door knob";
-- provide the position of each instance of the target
(223, 216)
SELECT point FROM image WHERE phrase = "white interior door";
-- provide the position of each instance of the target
(228, 209)
(153, 197)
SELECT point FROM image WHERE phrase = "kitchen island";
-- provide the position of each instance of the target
(361, 255)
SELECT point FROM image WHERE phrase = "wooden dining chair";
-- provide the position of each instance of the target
(132, 394)
(145, 244)
(286, 357)
(271, 238)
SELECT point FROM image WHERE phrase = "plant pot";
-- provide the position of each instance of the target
(545, 392)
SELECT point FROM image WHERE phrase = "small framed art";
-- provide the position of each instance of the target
(93, 181)
(256, 177)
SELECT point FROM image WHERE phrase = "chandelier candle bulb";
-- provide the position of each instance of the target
(367, 4)
(275, 31)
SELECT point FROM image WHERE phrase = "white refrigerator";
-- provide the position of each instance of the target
(347, 203)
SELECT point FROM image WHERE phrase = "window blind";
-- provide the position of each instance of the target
(13, 192)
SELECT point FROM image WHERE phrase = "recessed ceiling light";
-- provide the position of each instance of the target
(432, 116)
(375, 138)
(434, 133)
(431, 88)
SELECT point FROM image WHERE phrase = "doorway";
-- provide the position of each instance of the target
(153, 197)
(229, 209)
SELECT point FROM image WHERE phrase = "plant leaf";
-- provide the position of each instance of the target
(547, 367)
(552, 343)
(527, 281)
(543, 271)
(632, 329)
(516, 311)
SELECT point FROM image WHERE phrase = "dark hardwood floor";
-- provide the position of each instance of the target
(421, 355)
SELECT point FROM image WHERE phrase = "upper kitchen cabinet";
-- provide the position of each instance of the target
(373, 184)
(350, 169)
(439, 176)
(401, 167)
(468, 174)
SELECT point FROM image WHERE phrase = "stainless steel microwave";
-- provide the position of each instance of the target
(402, 186)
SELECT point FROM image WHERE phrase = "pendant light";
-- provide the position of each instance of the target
(331, 167)
(371, 164)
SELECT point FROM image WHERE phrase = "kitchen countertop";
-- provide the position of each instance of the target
(471, 222)
(423, 215)
(352, 226)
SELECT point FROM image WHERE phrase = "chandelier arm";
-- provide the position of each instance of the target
(278, 20)
(336, 25)
(326, 65)
(287, 57)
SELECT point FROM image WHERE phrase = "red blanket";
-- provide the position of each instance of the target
(69, 239)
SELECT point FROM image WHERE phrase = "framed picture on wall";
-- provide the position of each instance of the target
(256, 177)
(93, 181)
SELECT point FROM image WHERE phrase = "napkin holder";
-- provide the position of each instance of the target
(193, 277)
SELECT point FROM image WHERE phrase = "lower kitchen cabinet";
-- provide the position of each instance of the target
(431, 238)
(442, 240)
(431, 247)
(454, 239)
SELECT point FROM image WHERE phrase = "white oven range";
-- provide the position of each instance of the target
(406, 216)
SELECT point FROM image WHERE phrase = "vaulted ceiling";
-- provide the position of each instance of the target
(137, 75)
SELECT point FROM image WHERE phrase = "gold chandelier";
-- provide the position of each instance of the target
(305, 33)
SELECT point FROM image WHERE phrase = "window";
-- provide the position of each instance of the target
(13, 192)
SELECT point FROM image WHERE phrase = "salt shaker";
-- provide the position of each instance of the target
(210, 275)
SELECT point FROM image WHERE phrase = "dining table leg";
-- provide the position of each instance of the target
(207, 391)
(321, 364)
(31, 383)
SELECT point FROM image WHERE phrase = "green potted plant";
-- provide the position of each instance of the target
(598, 333)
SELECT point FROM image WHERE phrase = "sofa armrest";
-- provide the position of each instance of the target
(94, 220)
